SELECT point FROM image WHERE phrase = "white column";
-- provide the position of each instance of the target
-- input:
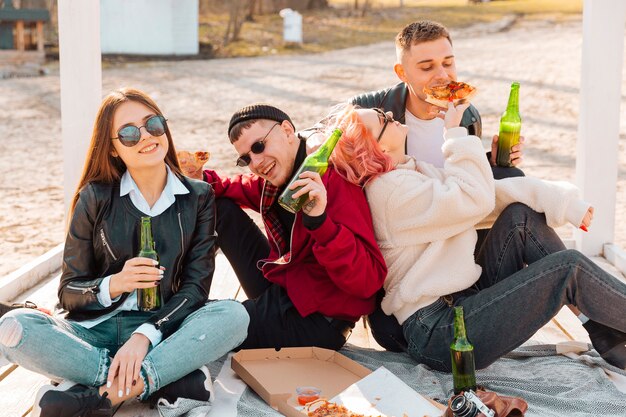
(81, 83)
(598, 126)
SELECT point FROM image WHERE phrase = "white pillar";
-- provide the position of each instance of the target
(81, 83)
(598, 126)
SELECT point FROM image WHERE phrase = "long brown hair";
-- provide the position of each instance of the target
(100, 165)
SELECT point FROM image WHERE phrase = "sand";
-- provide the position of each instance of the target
(198, 98)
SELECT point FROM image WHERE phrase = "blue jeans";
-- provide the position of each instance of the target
(511, 301)
(63, 349)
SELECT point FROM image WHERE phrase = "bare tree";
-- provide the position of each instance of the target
(251, 5)
(235, 21)
(317, 4)
(365, 6)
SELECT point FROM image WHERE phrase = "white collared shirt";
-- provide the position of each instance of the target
(173, 187)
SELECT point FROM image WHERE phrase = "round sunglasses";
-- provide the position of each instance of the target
(131, 135)
(256, 148)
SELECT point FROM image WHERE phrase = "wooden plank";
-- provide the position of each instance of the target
(31, 274)
(6, 370)
(362, 336)
(135, 408)
(569, 324)
(44, 294)
(225, 283)
(615, 256)
(19, 390)
(19, 35)
(40, 36)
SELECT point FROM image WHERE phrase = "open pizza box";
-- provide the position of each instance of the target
(274, 376)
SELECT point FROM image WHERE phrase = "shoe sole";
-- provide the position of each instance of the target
(63, 386)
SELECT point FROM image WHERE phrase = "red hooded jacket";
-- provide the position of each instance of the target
(335, 269)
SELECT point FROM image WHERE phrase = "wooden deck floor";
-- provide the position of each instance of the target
(18, 386)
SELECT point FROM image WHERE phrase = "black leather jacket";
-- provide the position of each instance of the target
(103, 235)
(394, 99)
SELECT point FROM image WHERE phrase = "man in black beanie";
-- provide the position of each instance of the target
(318, 270)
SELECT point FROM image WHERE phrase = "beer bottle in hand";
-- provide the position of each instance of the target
(316, 162)
(462, 354)
(148, 299)
(510, 127)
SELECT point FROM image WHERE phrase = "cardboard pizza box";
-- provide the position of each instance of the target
(274, 376)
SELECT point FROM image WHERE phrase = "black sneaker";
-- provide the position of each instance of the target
(610, 343)
(194, 386)
(76, 401)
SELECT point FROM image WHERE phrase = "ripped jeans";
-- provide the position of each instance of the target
(60, 348)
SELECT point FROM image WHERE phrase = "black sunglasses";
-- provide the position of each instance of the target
(256, 148)
(131, 135)
(386, 120)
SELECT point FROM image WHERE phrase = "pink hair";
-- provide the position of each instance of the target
(357, 156)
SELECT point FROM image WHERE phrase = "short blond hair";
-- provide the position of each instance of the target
(418, 32)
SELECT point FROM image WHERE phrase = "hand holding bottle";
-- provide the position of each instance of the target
(137, 273)
(516, 157)
(510, 128)
(317, 162)
(311, 183)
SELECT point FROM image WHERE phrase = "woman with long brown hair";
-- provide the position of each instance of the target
(105, 343)
(425, 221)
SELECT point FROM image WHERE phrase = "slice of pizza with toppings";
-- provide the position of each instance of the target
(328, 409)
(455, 92)
(192, 163)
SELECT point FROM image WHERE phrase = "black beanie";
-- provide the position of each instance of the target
(258, 111)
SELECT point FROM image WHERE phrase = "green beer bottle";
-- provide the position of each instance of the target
(510, 127)
(462, 354)
(148, 299)
(316, 162)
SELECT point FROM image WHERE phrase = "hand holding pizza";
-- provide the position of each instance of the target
(453, 116)
(443, 96)
(192, 163)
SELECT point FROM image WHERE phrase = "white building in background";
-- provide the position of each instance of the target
(149, 27)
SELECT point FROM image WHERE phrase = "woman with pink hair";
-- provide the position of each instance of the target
(425, 220)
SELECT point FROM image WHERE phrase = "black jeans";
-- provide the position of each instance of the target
(385, 329)
(274, 321)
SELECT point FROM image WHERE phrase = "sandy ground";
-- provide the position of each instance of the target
(198, 98)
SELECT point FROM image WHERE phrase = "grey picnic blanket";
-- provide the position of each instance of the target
(552, 384)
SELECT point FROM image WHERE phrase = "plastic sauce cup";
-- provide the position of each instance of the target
(307, 394)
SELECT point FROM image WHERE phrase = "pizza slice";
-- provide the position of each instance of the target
(455, 92)
(192, 163)
(328, 409)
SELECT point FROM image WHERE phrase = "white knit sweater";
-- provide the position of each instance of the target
(425, 219)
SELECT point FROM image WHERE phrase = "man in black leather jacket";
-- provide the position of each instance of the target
(425, 58)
